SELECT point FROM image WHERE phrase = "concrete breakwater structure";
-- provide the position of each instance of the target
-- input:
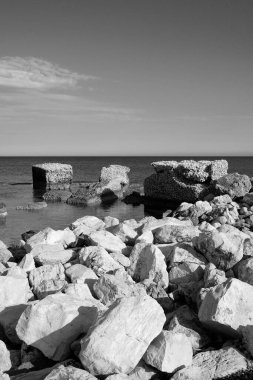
(52, 176)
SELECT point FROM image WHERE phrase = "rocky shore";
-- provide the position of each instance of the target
(168, 298)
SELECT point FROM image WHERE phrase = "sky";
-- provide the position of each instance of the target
(126, 77)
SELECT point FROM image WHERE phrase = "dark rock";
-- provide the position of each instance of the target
(57, 195)
(234, 184)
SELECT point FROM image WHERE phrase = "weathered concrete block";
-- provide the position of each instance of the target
(52, 176)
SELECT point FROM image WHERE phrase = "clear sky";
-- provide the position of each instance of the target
(126, 77)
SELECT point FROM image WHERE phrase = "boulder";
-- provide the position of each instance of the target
(110, 221)
(63, 238)
(9, 317)
(228, 307)
(47, 279)
(27, 263)
(248, 198)
(213, 276)
(14, 291)
(169, 351)
(185, 181)
(142, 372)
(147, 262)
(91, 222)
(126, 233)
(173, 234)
(57, 196)
(98, 259)
(52, 254)
(133, 322)
(245, 270)
(52, 324)
(79, 291)
(146, 237)
(115, 285)
(234, 184)
(52, 176)
(121, 258)
(5, 361)
(69, 372)
(5, 255)
(79, 273)
(106, 240)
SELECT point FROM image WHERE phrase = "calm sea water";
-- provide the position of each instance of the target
(16, 189)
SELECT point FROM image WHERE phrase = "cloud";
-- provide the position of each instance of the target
(37, 74)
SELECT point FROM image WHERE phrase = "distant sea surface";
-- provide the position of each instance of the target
(16, 189)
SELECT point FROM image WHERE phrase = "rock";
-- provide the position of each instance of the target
(106, 240)
(70, 372)
(26, 235)
(78, 291)
(15, 271)
(48, 279)
(192, 373)
(222, 247)
(52, 254)
(213, 276)
(110, 221)
(185, 181)
(121, 258)
(79, 273)
(116, 285)
(153, 224)
(57, 196)
(127, 234)
(52, 176)
(120, 376)
(228, 307)
(2, 245)
(171, 234)
(64, 238)
(234, 184)
(183, 252)
(5, 255)
(113, 172)
(147, 262)
(52, 324)
(245, 270)
(143, 321)
(185, 321)
(5, 361)
(92, 222)
(169, 351)
(248, 198)
(27, 263)
(9, 317)
(98, 259)
(143, 372)
(32, 206)
(3, 210)
(186, 272)
(147, 238)
(14, 291)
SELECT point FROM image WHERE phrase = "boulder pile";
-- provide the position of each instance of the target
(168, 298)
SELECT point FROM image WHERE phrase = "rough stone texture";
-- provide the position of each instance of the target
(186, 272)
(213, 276)
(106, 240)
(110, 221)
(5, 361)
(143, 320)
(79, 273)
(27, 263)
(92, 222)
(146, 237)
(14, 291)
(52, 176)
(228, 307)
(143, 372)
(57, 196)
(183, 181)
(78, 290)
(173, 234)
(192, 373)
(223, 247)
(183, 252)
(234, 184)
(111, 172)
(245, 270)
(121, 258)
(69, 373)
(169, 351)
(248, 198)
(116, 285)
(64, 238)
(48, 279)
(49, 254)
(147, 262)
(98, 259)
(52, 324)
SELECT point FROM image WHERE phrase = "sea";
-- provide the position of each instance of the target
(16, 190)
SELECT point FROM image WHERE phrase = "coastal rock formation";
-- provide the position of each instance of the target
(143, 321)
(52, 176)
(3, 210)
(185, 181)
(112, 185)
(234, 184)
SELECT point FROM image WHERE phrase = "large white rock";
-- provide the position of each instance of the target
(27, 263)
(174, 233)
(9, 317)
(65, 238)
(146, 237)
(169, 351)
(47, 279)
(142, 372)
(68, 373)
(126, 233)
(79, 273)
(106, 240)
(52, 324)
(245, 270)
(52, 254)
(14, 291)
(153, 224)
(91, 222)
(98, 259)
(147, 262)
(228, 307)
(115, 285)
(78, 291)
(120, 337)
(5, 255)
